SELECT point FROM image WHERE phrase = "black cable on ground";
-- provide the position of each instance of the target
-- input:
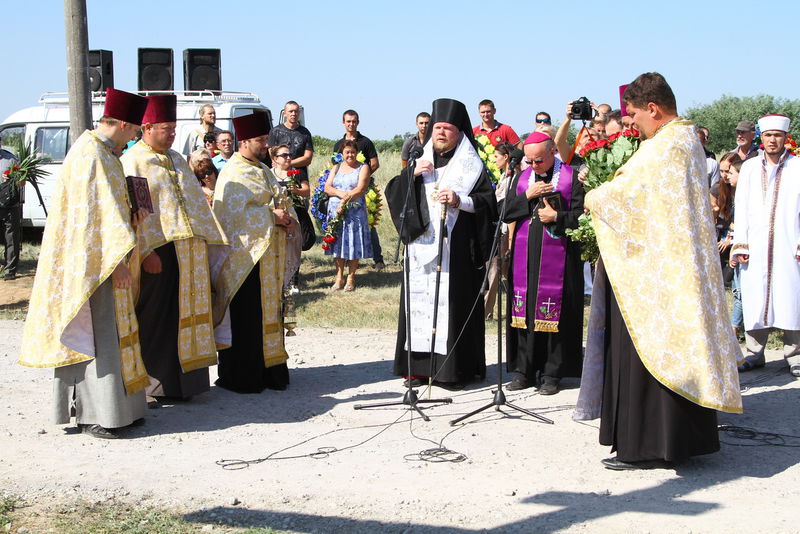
(759, 439)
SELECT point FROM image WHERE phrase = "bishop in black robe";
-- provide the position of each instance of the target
(470, 244)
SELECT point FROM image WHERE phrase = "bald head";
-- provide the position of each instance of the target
(540, 156)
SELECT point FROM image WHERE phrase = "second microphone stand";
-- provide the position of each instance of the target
(499, 396)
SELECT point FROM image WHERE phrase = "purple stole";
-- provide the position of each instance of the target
(551, 265)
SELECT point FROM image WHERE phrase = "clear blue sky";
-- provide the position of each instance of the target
(389, 61)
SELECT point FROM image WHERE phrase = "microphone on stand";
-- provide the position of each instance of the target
(514, 160)
(415, 153)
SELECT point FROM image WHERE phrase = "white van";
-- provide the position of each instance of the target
(46, 127)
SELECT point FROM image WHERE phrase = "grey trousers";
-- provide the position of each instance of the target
(93, 391)
(755, 340)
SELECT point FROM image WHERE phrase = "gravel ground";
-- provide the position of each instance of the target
(363, 471)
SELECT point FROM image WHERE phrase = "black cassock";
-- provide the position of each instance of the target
(558, 354)
(641, 418)
(470, 244)
(241, 366)
(157, 311)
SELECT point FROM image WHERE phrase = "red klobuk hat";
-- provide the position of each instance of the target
(161, 108)
(126, 107)
(250, 126)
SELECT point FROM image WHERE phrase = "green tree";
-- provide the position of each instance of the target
(722, 116)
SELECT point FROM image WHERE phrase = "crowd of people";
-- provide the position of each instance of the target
(201, 276)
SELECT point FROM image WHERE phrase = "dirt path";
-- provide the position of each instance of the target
(517, 475)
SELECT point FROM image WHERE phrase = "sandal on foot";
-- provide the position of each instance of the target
(794, 369)
(351, 283)
(749, 365)
(337, 285)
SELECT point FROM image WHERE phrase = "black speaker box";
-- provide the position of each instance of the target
(155, 69)
(202, 69)
(101, 69)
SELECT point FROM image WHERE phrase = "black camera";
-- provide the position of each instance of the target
(581, 110)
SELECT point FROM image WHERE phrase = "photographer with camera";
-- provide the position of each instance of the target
(583, 110)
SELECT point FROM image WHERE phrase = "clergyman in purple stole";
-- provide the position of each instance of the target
(546, 303)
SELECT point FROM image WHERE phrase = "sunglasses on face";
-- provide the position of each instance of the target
(284, 155)
(545, 121)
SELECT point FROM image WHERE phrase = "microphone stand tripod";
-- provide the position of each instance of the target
(410, 398)
(499, 396)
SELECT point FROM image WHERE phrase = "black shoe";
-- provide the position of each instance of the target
(518, 383)
(415, 383)
(97, 431)
(9, 276)
(549, 385)
(451, 386)
(615, 464)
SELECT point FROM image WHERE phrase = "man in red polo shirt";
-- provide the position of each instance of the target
(492, 129)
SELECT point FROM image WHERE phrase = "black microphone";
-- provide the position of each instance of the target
(415, 153)
(515, 158)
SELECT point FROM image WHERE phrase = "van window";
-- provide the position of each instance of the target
(52, 142)
(12, 136)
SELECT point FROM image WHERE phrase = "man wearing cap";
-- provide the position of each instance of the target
(81, 318)
(766, 243)
(179, 248)
(660, 353)
(745, 133)
(450, 187)
(545, 318)
(495, 131)
(258, 218)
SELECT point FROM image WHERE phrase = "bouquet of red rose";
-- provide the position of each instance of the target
(333, 227)
(603, 157)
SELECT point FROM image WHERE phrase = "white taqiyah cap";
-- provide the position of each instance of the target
(773, 122)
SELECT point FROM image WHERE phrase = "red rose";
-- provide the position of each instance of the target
(325, 247)
(602, 143)
(6, 172)
(292, 172)
(15, 167)
(614, 137)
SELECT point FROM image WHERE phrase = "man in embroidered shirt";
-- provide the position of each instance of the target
(766, 244)
(495, 131)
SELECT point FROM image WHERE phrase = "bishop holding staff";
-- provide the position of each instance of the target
(449, 176)
(175, 246)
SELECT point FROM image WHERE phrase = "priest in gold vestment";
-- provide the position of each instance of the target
(257, 218)
(175, 245)
(81, 319)
(660, 354)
